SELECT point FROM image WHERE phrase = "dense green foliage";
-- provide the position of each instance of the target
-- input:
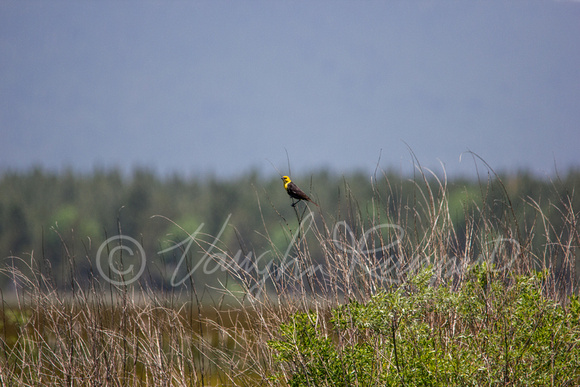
(56, 216)
(486, 332)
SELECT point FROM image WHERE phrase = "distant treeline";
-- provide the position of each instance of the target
(55, 221)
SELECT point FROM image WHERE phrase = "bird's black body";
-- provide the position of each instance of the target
(296, 192)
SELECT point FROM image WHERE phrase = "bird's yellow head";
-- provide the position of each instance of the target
(286, 180)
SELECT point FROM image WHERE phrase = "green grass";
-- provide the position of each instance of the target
(423, 293)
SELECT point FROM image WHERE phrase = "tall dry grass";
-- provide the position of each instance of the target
(94, 333)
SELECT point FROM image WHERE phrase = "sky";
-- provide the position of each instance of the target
(225, 87)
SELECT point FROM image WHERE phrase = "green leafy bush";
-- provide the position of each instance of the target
(488, 331)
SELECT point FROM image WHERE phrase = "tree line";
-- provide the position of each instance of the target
(48, 219)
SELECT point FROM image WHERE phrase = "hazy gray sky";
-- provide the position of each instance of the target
(223, 86)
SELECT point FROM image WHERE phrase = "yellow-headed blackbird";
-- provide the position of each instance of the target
(294, 191)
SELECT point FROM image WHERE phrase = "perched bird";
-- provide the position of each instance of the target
(294, 191)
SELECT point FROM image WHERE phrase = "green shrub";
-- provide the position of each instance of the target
(488, 331)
